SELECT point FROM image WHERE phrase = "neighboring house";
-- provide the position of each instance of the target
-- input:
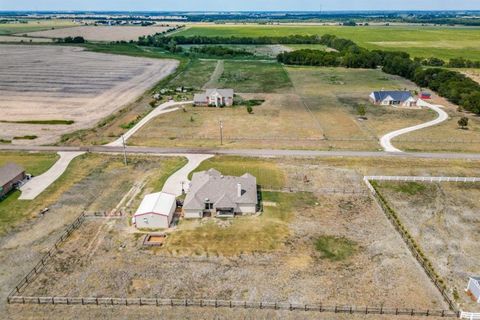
(393, 98)
(214, 97)
(425, 96)
(156, 211)
(473, 288)
(11, 175)
(213, 194)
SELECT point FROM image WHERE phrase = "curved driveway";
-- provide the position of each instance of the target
(386, 140)
(161, 109)
(175, 182)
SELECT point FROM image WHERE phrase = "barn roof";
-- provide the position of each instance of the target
(8, 172)
(157, 203)
(395, 95)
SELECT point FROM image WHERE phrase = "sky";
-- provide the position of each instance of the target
(238, 5)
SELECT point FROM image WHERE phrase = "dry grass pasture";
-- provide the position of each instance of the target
(67, 83)
(106, 258)
(319, 112)
(101, 33)
(443, 219)
(103, 258)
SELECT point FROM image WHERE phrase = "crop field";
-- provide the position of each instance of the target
(440, 42)
(322, 248)
(319, 113)
(443, 219)
(68, 83)
(34, 25)
(101, 33)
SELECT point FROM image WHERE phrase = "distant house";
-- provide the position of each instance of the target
(11, 175)
(156, 211)
(214, 97)
(473, 288)
(393, 98)
(425, 96)
(213, 194)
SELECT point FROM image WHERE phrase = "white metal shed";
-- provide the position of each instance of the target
(156, 211)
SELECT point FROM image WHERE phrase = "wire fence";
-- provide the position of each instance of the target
(344, 191)
(317, 307)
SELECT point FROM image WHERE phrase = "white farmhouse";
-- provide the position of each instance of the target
(214, 97)
(393, 98)
(473, 288)
(213, 194)
(156, 211)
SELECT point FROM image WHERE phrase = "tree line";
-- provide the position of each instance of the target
(449, 84)
(219, 51)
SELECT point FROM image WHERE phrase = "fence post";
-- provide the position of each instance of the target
(96, 301)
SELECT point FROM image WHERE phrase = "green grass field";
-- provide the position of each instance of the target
(33, 25)
(255, 77)
(196, 74)
(419, 41)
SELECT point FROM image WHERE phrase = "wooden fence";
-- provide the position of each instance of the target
(227, 304)
(421, 179)
(43, 261)
(412, 246)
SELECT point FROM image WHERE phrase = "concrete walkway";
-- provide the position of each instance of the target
(386, 140)
(161, 109)
(38, 184)
(173, 184)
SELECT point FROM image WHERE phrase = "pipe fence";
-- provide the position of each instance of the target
(422, 179)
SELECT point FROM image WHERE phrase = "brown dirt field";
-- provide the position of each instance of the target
(68, 83)
(22, 39)
(443, 219)
(101, 33)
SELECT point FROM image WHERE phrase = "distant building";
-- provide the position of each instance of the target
(425, 96)
(473, 288)
(213, 194)
(11, 175)
(214, 97)
(393, 98)
(156, 211)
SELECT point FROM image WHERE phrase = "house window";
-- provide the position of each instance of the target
(208, 206)
(145, 220)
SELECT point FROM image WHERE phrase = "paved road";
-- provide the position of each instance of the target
(246, 152)
(161, 109)
(174, 183)
(386, 140)
(38, 184)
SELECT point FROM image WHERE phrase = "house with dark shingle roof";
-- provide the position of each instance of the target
(213, 194)
(393, 98)
(11, 175)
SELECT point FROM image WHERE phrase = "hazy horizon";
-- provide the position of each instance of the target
(246, 5)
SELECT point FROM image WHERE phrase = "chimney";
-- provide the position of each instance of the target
(239, 190)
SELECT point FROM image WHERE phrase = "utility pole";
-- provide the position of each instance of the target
(124, 150)
(221, 132)
(183, 189)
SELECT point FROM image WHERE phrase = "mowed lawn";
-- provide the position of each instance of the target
(420, 41)
(33, 25)
(12, 209)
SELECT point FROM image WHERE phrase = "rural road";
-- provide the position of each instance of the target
(38, 184)
(386, 140)
(173, 184)
(161, 109)
(245, 152)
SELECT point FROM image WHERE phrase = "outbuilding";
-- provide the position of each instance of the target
(156, 211)
(473, 288)
(11, 175)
